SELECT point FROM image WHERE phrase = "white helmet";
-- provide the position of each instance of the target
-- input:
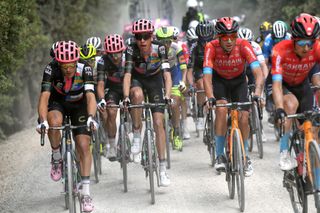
(279, 29)
(245, 33)
(176, 32)
(191, 34)
(96, 42)
(192, 3)
(193, 24)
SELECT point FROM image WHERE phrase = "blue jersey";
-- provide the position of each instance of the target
(268, 44)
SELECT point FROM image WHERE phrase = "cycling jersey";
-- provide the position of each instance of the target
(156, 62)
(258, 52)
(228, 65)
(177, 62)
(288, 67)
(268, 44)
(110, 71)
(67, 89)
(196, 59)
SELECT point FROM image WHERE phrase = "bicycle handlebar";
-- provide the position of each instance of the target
(234, 104)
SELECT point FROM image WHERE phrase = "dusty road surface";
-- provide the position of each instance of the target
(195, 187)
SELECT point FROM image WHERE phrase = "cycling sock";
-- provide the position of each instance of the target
(85, 185)
(162, 165)
(246, 147)
(176, 131)
(317, 175)
(220, 145)
(284, 141)
(200, 111)
(56, 155)
(112, 142)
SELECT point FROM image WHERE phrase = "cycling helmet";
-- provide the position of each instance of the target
(192, 3)
(87, 51)
(142, 26)
(279, 29)
(54, 46)
(205, 30)
(305, 26)
(245, 33)
(95, 41)
(226, 25)
(193, 24)
(164, 33)
(67, 52)
(191, 34)
(265, 26)
(114, 43)
(176, 32)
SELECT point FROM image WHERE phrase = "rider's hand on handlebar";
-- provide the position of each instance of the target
(182, 87)
(212, 102)
(168, 100)
(102, 104)
(280, 114)
(44, 125)
(91, 123)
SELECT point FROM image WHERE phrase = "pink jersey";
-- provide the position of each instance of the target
(228, 65)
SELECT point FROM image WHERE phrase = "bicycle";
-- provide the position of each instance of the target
(195, 109)
(235, 153)
(95, 144)
(303, 180)
(70, 165)
(208, 136)
(124, 144)
(255, 118)
(149, 159)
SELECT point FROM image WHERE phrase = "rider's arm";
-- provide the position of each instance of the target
(190, 66)
(100, 79)
(128, 66)
(46, 87)
(91, 103)
(165, 68)
(182, 63)
(208, 70)
(276, 71)
(89, 90)
(266, 48)
(258, 51)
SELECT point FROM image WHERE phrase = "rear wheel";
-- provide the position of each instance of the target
(258, 131)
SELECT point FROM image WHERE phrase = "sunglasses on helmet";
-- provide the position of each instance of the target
(303, 43)
(144, 36)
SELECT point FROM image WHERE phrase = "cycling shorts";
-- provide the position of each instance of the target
(114, 93)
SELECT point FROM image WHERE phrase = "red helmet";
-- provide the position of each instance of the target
(305, 26)
(114, 43)
(67, 51)
(226, 25)
(142, 26)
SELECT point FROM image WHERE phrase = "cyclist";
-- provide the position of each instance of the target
(110, 77)
(279, 33)
(292, 61)
(96, 42)
(147, 67)
(224, 63)
(67, 88)
(205, 33)
(52, 49)
(88, 53)
(191, 15)
(265, 29)
(246, 33)
(178, 68)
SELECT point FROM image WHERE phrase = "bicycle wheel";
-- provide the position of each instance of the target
(71, 197)
(123, 148)
(252, 129)
(230, 178)
(150, 165)
(212, 142)
(94, 153)
(237, 165)
(258, 130)
(167, 130)
(314, 160)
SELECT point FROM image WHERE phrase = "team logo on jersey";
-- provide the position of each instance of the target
(101, 61)
(162, 50)
(130, 50)
(88, 71)
(48, 70)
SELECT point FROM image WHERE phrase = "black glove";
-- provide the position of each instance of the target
(168, 101)
(256, 98)
(280, 114)
(212, 101)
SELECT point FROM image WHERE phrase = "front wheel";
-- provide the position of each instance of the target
(258, 131)
(150, 165)
(314, 171)
(71, 197)
(123, 147)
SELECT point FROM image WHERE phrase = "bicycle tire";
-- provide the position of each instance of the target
(71, 197)
(123, 157)
(212, 142)
(150, 165)
(251, 126)
(258, 131)
(238, 167)
(167, 129)
(230, 178)
(314, 159)
(95, 162)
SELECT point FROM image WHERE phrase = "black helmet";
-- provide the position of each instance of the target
(205, 30)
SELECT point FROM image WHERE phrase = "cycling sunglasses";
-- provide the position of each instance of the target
(303, 43)
(67, 65)
(144, 36)
(228, 37)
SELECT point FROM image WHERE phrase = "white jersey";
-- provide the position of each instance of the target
(257, 51)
